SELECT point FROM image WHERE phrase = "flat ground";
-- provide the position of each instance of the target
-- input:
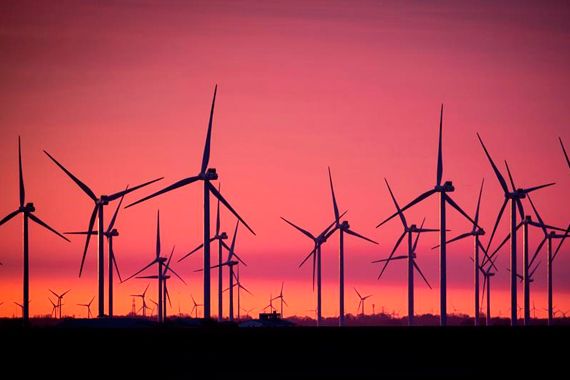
(299, 352)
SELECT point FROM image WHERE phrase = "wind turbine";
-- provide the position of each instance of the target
(160, 264)
(27, 209)
(443, 189)
(409, 231)
(487, 274)
(514, 197)
(53, 313)
(88, 306)
(230, 263)
(549, 236)
(281, 299)
(248, 311)
(315, 253)
(165, 276)
(343, 227)
(109, 233)
(99, 205)
(59, 299)
(564, 151)
(206, 175)
(361, 303)
(270, 306)
(239, 286)
(220, 237)
(476, 232)
(195, 307)
(142, 296)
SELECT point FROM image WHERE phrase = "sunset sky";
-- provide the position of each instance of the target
(119, 92)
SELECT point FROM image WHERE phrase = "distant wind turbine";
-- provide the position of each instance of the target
(142, 296)
(59, 299)
(281, 299)
(361, 303)
(88, 306)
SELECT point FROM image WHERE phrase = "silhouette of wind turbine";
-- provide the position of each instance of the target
(88, 306)
(476, 232)
(315, 253)
(27, 210)
(343, 227)
(281, 299)
(514, 197)
(109, 233)
(444, 199)
(195, 307)
(548, 237)
(160, 261)
(206, 175)
(53, 313)
(99, 205)
(59, 299)
(411, 256)
(220, 237)
(487, 274)
(142, 296)
(564, 151)
(361, 303)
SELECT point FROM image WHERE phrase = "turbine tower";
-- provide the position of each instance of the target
(99, 205)
(220, 237)
(281, 299)
(27, 210)
(343, 227)
(205, 175)
(443, 188)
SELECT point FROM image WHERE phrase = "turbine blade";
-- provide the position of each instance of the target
(498, 174)
(458, 237)
(400, 213)
(43, 224)
(114, 218)
(537, 251)
(353, 233)
(335, 207)
(218, 195)
(564, 151)
(537, 214)
(304, 232)
(176, 185)
(510, 176)
(502, 209)
(218, 214)
(531, 189)
(142, 270)
(88, 238)
(439, 150)
(83, 186)
(120, 194)
(392, 254)
(421, 274)
(390, 259)
(561, 242)
(206, 155)
(479, 204)
(232, 247)
(21, 175)
(359, 296)
(420, 198)
(456, 206)
(307, 257)
(9, 216)
(418, 235)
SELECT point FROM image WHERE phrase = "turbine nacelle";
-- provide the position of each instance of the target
(29, 207)
(113, 232)
(517, 194)
(478, 232)
(223, 236)
(103, 200)
(210, 175)
(344, 225)
(447, 187)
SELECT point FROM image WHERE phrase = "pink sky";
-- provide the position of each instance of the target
(120, 94)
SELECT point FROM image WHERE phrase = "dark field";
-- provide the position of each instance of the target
(300, 352)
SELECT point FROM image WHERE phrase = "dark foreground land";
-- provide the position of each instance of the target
(300, 352)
